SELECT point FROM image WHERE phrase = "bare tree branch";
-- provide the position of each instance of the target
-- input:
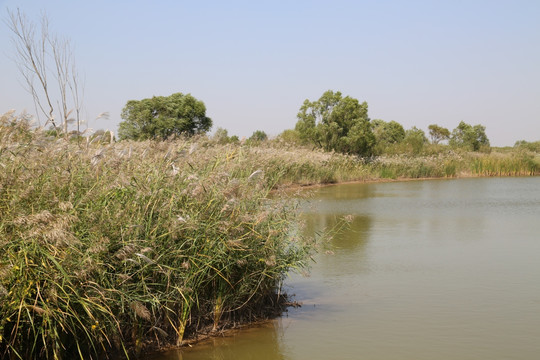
(36, 54)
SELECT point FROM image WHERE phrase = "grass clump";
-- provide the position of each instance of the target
(110, 248)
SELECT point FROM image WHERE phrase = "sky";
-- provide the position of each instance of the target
(253, 63)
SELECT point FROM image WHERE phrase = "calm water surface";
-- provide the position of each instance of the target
(444, 269)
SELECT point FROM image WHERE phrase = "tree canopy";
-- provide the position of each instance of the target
(388, 132)
(470, 137)
(387, 135)
(258, 135)
(161, 117)
(438, 133)
(416, 139)
(336, 123)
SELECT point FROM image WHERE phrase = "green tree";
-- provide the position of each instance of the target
(290, 136)
(258, 135)
(531, 146)
(416, 139)
(438, 133)
(336, 123)
(221, 136)
(386, 134)
(163, 116)
(470, 137)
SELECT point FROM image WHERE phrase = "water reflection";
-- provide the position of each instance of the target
(339, 232)
(340, 213)
(259, 342)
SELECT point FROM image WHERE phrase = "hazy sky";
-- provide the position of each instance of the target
(253, 63)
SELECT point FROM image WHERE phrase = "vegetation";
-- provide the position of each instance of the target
(336, 123)
(456, 164)
(415, 139)
(258, 135)
(438, 133)
(386, 134)
(221, 136)
(162, 117)
(341, 124)
(42, 56)
(470, 137)
(528, 146)
(122, 245)
(114, 246)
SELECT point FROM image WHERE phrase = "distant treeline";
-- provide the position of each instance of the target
(332, 123)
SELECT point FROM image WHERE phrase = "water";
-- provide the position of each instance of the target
(444, 269)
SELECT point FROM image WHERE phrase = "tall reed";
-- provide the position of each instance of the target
(112, 247)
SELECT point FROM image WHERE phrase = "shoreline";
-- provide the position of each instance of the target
(227, 329)
(292, 187)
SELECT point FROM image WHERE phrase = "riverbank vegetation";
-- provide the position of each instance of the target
(119, 246)
(111, 247)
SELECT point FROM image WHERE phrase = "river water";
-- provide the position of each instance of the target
(442, 269)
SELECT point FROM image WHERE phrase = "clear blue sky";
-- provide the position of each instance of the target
(253, 63)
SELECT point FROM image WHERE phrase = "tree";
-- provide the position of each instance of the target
(470, 137)
(438, 133)
(290, 136)
(416, 139)
(161, 117)
(221, 136)
(40, 55)
(336, 123)
(530, 146)
(389, 132)
(386, 134)
(258, 135)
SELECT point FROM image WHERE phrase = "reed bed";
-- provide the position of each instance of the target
(288, 165)
(117, 247)
(109, 248)
(516, 163)
(452, 164)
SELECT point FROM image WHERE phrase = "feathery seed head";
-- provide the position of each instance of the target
(256, 174)
(141, 310)
(65, 205)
